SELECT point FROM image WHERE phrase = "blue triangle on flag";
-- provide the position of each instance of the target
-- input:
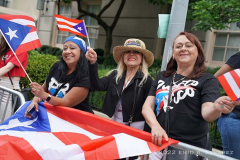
(13, 32)
(18, 122)
(81, 28)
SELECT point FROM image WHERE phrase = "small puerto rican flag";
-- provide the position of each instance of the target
(230, 82)
(74, 26)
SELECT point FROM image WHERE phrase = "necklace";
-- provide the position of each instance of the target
(174, 83)
(126, 82)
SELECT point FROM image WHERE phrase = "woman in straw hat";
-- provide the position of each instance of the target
(127, 86)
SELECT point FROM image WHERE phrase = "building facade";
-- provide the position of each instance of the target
(138, 19)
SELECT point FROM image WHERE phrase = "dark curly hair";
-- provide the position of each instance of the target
(199, 67)
(81, 69)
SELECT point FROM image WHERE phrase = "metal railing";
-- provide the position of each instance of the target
(10, 95)
(190, 150)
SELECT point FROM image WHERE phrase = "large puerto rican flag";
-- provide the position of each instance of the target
(67, 133)
(230, 82)
(20, 32)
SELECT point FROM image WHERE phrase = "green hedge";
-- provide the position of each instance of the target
(55, 51)
(38, 68)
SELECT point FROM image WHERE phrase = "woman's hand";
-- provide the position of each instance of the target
(37, 90)
(225, 105)
(91, 55)
(33, 104)
(157, 133)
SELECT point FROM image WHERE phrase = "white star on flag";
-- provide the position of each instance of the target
(80, 28)
(11, 33)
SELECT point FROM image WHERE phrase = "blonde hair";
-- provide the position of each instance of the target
(122, 67)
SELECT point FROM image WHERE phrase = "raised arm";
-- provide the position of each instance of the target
(100, 84)
(225, 68)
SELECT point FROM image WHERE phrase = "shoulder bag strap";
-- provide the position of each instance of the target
(64, 84)
(4, 60)
(134, 102)
(168, 109)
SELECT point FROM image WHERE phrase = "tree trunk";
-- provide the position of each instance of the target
(108, 42)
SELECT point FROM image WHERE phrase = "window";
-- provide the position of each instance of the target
(66, 11)
(227, 43)
(92, 24)
(3, 3)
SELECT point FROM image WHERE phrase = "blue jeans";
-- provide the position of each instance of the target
(229, 127)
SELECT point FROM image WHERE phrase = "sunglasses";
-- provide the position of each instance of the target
(131, 51)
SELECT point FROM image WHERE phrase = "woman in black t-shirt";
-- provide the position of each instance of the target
(193, 100)
(66, 79)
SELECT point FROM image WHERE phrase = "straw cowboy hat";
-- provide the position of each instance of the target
(133, 44)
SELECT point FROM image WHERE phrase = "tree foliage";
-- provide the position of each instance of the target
(215, 13)
(209, 14)
(108, 28)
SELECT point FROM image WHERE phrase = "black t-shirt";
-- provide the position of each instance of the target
(234, 61)
(53, 82)
(186, 123)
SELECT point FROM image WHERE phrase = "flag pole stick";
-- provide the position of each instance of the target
(86, 33)
(16, 56)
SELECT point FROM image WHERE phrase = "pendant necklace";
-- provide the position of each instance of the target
(175, 83)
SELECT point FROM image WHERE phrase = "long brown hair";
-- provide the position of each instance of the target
(199, 67)
(3, 47)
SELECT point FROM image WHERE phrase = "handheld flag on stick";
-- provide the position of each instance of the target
(68, 133)
(72, 25)
(20, 34)
(230, 82)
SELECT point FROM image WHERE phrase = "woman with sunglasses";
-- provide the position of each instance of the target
(124, 84)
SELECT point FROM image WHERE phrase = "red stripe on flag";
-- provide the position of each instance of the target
(28, 46)
(68, 19)
(235, 77)
(16, 148)
(64, 23)
(10, 17)
(227, 88)
(102, 126)
(102, 148)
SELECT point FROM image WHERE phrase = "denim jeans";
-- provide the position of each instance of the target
(229, 127)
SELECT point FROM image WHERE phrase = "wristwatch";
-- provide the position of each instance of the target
(48, 98)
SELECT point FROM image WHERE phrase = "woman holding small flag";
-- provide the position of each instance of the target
(67, 83)
(184, 98)
(10, 70)
(229, 124)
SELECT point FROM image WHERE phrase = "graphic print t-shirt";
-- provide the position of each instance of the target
(186, 122)
(53, 82)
